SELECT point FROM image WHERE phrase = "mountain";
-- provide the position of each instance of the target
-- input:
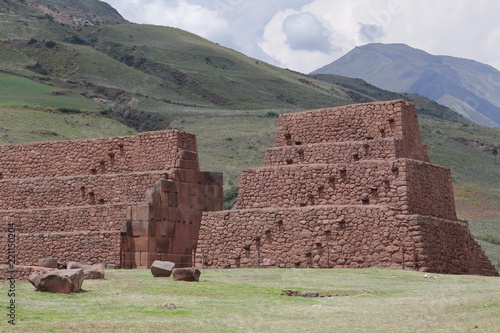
(86, 48)
(468, 87)
(74, 12)
(142, 75)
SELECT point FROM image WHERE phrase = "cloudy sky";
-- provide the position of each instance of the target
(305, 35)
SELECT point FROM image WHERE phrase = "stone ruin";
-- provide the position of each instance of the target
(343, 187)
(349, 187)
(125, 201)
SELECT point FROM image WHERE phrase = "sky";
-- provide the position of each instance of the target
(304, 35)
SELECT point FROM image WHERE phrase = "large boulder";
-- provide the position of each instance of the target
(90, 272)
(162, 268)
(58, 281)
(48, 262)
(190, 274)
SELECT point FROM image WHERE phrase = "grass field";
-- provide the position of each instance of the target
(26, 124)
(248, 300)
(15, 91)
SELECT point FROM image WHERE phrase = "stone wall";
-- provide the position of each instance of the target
(338, 237)
(345, 152)
(149, 151)
(76, 191)
(70, 199)
(313, 237)
(430, 191)
(166, 227)
(344, 187)
(354, 123)
(410, 186)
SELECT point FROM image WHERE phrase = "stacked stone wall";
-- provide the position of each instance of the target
(338, 237)
(449, 247)
(344, 187)
(312, 237)
(322, 184)
(70, 199)
(354, 123)
(410, 186)
(430, 190)
(66, 219)
(324, 153)
(150, 151)
(76, 191)
(92, 246)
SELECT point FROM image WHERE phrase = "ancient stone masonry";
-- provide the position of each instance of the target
(166, 226)
(344, 187)
(71, 200)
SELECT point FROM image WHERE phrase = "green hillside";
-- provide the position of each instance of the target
(19, 91)
(29, 124)
(92, 11)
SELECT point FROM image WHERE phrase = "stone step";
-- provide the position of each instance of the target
(411, 186)
(139, 153)
(342, 152)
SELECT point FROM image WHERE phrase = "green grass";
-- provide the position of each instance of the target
(194, 69)
(24, 124)
(248, 300)
(16, 91)
(100, 69)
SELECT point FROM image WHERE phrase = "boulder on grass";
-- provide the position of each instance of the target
(48, 262)
(310, 294)
(190, 274)
(58, 281)
(162, 268)
(90, 272)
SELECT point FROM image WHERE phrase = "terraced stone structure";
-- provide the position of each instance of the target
(350, 186)
(79, 200)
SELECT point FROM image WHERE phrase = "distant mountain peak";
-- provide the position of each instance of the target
(466, 86)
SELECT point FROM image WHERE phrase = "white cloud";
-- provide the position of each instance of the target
(462, 28)
(180, 14)
(307, 34)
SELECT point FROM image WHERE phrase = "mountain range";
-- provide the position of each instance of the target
(470, 88)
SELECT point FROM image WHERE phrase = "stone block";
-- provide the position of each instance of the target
(58, 281)
(189, 274)
(90, 271)
(48, 262)
(162, 268)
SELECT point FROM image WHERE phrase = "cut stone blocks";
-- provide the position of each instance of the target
(349, 187)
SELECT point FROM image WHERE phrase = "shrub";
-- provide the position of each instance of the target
(230, 197)
(68, 110)
(50, 44)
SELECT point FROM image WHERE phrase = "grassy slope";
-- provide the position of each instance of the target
(17, 91)
(25, 124)
(28, 112)
(209, 74)
(380, 300)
